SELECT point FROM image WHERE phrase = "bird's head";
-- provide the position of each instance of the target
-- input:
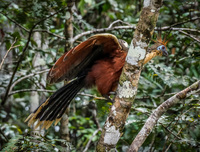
(162, 50)
(160, 46)
(157, 49)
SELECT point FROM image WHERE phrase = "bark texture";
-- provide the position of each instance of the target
(127, 87)
(64, 130)
(157, 113)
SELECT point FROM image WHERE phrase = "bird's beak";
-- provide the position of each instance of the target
(164, 52)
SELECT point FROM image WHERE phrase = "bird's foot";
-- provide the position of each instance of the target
(108, 98)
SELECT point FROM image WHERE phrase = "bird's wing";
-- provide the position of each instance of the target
(72, 63)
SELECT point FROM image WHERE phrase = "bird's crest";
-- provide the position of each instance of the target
(161, 41)
(157, 49)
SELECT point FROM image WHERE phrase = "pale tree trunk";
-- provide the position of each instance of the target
(35, 98)
(128, 84)
(64, 130)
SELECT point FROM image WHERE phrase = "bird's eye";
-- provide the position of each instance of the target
(163, 47)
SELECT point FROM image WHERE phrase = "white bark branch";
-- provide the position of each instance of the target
(158, 112)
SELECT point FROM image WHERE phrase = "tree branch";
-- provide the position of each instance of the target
(158, 112)
(110, 28)
(36, 30)
(22, 27)
(30, 90)
(11, 47)
(128, 83)
(27, 76)
(52, 91)
(181, 23)
(190, 35)
(50, 33)
(93, 135)
(118, 21)
(23, 53)
(102, 30)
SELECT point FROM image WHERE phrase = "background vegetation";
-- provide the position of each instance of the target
(177, 130)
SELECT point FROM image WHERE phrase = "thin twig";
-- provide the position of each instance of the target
(18, 63)
(52, 91)
(27, 76)
(175, 136)
(15, 22)
(177, 119)
(102, 30)
(171, 132)
(181, 23)
(117, 21)
(23, 53)
(30, 90)
(88, 144)
(36, 30)
(50, 33)
(11, 47)
(110, 28)
(191, 36)
(93, 96)
(177, 29)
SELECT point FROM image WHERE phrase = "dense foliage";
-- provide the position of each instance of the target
(177, 130)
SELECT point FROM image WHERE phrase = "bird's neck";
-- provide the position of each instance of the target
(150, 56)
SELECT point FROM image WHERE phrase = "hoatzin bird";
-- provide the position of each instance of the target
(98, 61)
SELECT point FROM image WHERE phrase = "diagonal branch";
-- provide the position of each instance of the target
(23, 53)
(11, 47)
(191, 36)
(27, 76)
(158, 112)
(25, 29)
(190, 20)
(36, 30)
(93, 135)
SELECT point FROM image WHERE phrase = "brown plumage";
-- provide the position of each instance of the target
(98, 61)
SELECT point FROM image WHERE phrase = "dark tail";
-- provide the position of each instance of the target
(55, 106)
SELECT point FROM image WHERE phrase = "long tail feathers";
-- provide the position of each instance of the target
(54, 107)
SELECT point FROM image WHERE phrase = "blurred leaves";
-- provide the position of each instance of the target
(160, 79)
(29, 143)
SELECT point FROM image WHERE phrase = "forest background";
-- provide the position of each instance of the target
(34, 34)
